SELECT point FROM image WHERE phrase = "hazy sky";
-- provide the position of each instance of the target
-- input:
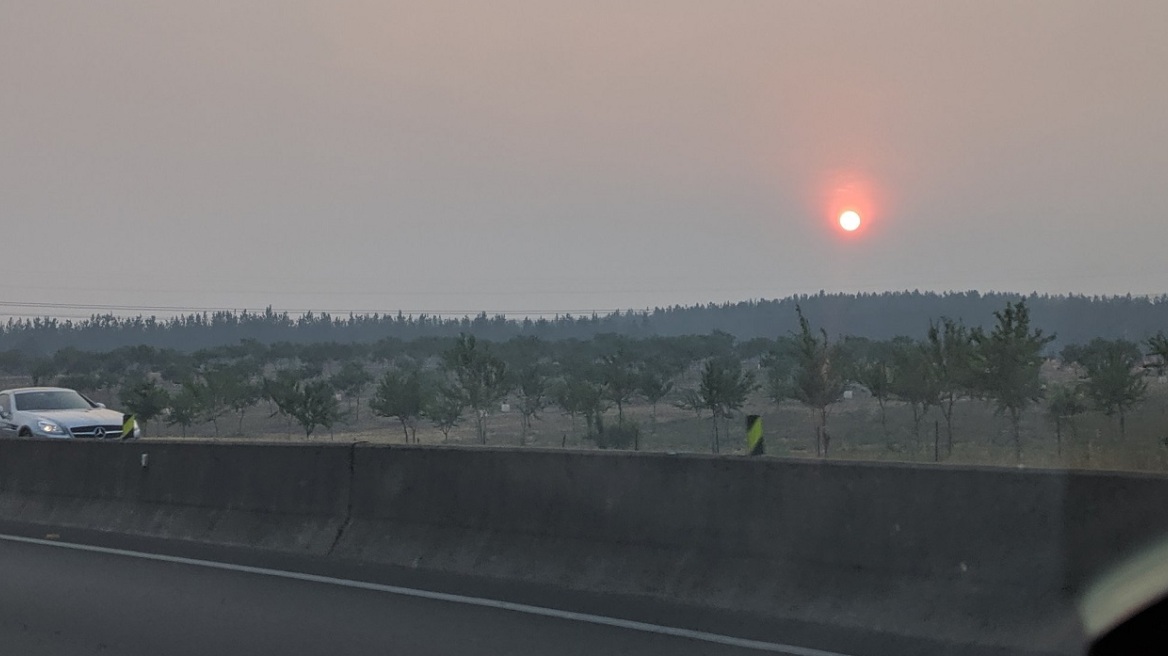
(552, 156)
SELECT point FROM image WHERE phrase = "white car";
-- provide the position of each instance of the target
(58, 412)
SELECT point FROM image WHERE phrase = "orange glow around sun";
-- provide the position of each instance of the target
(850, 201)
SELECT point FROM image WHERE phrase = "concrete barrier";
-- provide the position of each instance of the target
(901, 548)
(977, 554)
(991, 555)
(289, 498)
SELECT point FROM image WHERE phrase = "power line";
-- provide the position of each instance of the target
(178, 310)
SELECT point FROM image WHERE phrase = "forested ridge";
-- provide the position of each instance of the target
(1073, 319)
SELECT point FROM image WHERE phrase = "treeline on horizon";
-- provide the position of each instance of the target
(1073, 319)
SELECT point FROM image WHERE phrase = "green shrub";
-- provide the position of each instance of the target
(621, 436)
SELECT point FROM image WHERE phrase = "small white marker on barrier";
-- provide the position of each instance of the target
(145, 460)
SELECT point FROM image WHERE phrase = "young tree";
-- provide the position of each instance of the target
(1009, 362)
(580, 394)
(621, 376)
(42, 371)
(914, 381)
(532, 388)
(1115, 379)
(655, 384)
(1158, 346)
(316, 406)
(479, 376)
(400, 395)
(233, 388)
(213, 388)
(444, 409)
(722, 390)
(14, 362)
(876, 376)
(283, 391)
(351, 381)
(1063, 404)
(563, 396)
(691, 400)
(950, 348)
(145, 399)
(779, 365)
(818, 380)
(185, 408)
(243, 395)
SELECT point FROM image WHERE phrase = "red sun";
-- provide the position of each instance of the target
(850, 220)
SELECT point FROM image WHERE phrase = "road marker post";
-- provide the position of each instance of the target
(754, 442)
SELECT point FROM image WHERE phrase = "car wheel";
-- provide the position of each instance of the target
(24, 432)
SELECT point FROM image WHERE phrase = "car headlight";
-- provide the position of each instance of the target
(50, 427)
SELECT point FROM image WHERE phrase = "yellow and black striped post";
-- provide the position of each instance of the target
(754, 444)
(127, 427)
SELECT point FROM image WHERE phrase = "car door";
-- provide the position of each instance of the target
(7, 427)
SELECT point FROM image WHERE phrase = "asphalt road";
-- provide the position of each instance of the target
(63, 601)
(137, 596)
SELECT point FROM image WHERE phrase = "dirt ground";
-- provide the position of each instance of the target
(980, 436)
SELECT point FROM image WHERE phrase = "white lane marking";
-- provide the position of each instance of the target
(646, 627)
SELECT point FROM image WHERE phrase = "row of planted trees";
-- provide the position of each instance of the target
(953, 363)
(1003, 367)
(446, 381)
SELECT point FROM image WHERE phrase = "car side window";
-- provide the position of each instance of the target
(6, 404)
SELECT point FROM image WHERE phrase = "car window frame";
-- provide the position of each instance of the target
(90, 404)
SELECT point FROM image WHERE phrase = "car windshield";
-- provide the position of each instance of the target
(833, 316)
(52, 400)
